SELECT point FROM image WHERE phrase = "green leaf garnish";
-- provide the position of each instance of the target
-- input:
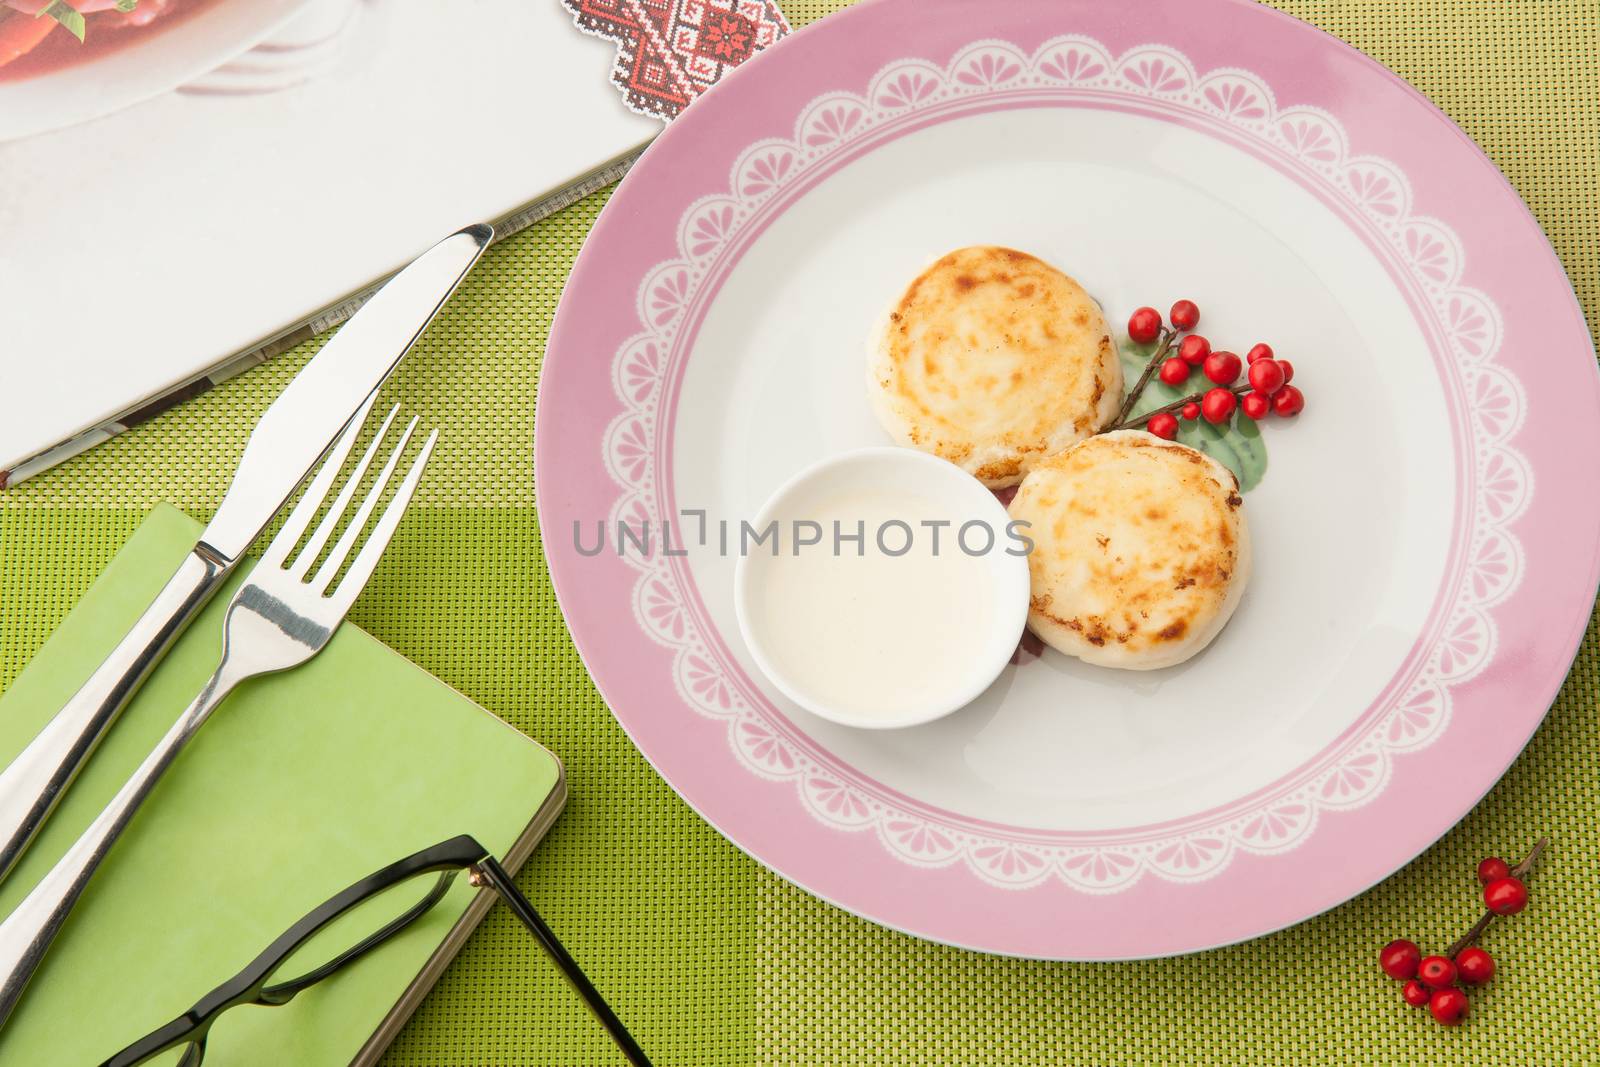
(64, 14)
(1236, 444)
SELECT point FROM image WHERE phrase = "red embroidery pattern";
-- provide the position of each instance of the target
(671, 51)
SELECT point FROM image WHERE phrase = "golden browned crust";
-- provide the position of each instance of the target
(994, 359)
(1140, 549)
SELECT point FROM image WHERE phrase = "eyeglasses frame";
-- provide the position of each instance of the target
(253, 984)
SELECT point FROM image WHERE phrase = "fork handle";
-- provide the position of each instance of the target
(34, 782)
(26, 933)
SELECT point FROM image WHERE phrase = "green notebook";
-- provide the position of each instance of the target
(302, 783)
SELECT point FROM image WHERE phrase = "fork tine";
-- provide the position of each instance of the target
(341, 549)
(366, 560)
(325, 528)
(317, 490)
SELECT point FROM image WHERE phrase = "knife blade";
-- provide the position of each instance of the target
(295, 432)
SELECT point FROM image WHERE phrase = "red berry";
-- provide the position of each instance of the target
(1288, 370)
(1492, 868)
(1217, 405)
(1288, 401)
(1163, 425)
(1416, 993)
(1399, 959)
(1185, 314)
(1505, 896)
(1436, 971)
(1194, 349)
(1261, 350)
(1191, 411)
(1222, 367)
(1266, 376)
(1144, 325)
(1256, 405)
(1476, 965)
(1449, 1006)
(1174, 371)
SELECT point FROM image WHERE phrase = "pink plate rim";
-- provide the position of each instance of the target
(1504, 312)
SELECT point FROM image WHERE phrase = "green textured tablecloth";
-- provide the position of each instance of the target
(713, 960)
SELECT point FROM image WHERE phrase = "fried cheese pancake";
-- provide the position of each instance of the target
(1141, 549)
(993, 360)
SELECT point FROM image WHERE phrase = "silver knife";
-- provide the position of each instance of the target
(291, 437)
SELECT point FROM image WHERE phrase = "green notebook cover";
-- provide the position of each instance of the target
(301, 783)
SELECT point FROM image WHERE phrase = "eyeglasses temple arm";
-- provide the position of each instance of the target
(488, 871)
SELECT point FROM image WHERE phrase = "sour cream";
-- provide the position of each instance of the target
(887, 589)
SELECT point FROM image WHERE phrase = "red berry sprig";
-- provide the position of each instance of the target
(1266, 389)
(1433, 980)
(1144, 325)
(1492, 868)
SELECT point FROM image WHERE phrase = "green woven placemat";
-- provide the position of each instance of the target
(715, 961)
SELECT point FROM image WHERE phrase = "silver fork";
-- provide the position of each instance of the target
(281, 617)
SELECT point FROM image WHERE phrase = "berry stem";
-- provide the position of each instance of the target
(1482, 924)
(1156, 359)
(1192, 398)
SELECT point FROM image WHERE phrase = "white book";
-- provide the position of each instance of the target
(259, 165)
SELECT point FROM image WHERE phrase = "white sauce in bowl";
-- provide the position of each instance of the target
(891, 593)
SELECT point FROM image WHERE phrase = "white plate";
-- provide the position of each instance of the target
(1424, 539)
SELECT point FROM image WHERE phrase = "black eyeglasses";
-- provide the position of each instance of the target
(349, 926)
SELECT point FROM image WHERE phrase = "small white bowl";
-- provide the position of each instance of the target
(971, 665)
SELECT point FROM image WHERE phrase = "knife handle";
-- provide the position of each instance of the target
(33, 784)
(27, 932)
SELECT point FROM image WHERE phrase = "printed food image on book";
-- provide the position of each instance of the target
(41, 36)
(1128, 462)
